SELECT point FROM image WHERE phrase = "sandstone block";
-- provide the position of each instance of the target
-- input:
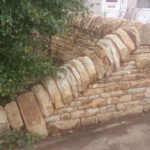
(113, 100)
(92, 111)
(78, 114)
(77, 76)
(132, 77)
(136, 91)
(4, 124)
(83, 73)
(31, 114)
(140, 83)
(126, 39)
(116, 93)
(14, 116)
(108, 108)
(88, 121)
(43, 100)
(97, 62)
(125, 98)
(72, 81)
(55, 95)
(96, 91)
(106, 95)
(65, 124)
(90, 68)
(52, 118)
(66, 116)
(147, 92)
(64, 88)
(65, 110)
(138, 96)
(93, 103)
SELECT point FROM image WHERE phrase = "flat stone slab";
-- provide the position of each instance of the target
(14, 115)
(43, 99)
(64, 88)
(31, 114)
(4, 124)
(54, 92)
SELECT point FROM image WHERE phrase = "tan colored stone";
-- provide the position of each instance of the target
(126, 39)
(116, 93)
(122, 49)
(52, 118)
(83, 73)
(138, 96)
(55, 95)
(92, 111)
(108, 108)
(132, 77)
(31, 114)
(88, 121)
(96, 91)
(136, 90)
(64, 88)
(66, 116)
(93, 103)
(113, 100)
(4, 124)
(90, 68)
(134, 35)
(127, 105)
(43, 100)
(125, 98)
(140, 83)
(14, 116)
(78, 114)
(65, 110)
(106, 95)
(65, 124)
(71, 80)
(77, 76)
(97, 62)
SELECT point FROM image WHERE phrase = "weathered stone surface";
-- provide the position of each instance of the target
(66, 116)
(125, 98)
(43, 99)
(93, 103)
(90, 68)
(31, 114)
(113, 100)
(108, 108)
(71, 80)
(64, 88)
(97, 62)
(92, 111)
(83, 73)
(116, 93)
(147, 92)
(55, 95)
(126, 39)
(88, 121)
(65, 124)
(14, 116)
(78, 114)
(122, 49)
(134, 34)
(138, 96)
(96, 91)
(140, 83)
(77, 76)
(135, 90)
(52, 118)
(4, 124)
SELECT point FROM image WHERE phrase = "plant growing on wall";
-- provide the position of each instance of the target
(25, 26)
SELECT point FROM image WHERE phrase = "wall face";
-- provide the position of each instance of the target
(110, 81)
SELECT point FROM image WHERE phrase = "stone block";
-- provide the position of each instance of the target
(65, 124)
(116, 93)
(64, 89)
(125, 98)
(43, 99)
(108, 108)
(31, 114)
(78, 114)
(136, 90)
(52, 118)
(96, 91)
(14, 116)
(113, 100)
(55, 95)
(92, 111)
(4, 124)
(88, 121)
(138, 96)
(140, 83)
(66, 116)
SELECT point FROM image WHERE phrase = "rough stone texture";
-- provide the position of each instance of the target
(55, 95)
(52, 118)
(90, 68)
(92, 111)
(108, 108)
(71, 80)
(88, 121)
(31, 114)
(83, 73)
(64, 88)
(14, 116)
(125, 98)
(65, 124)
(96, 91)
(126, 39)
(43, 99)
(4, 124)
(78, 114)
(77, 76)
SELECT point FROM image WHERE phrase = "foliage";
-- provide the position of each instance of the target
(26, 27)
(18, 139)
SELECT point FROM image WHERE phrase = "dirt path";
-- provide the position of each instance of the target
(131, 133)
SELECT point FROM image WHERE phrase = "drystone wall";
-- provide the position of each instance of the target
(109, 81)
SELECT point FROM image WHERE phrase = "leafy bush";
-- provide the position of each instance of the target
(26, 27)
(18, 139)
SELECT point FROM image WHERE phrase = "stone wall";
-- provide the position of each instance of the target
(110, 81)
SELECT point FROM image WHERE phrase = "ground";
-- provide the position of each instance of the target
(129, 133)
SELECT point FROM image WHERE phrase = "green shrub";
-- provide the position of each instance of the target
(18, 139)
(26, 28)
